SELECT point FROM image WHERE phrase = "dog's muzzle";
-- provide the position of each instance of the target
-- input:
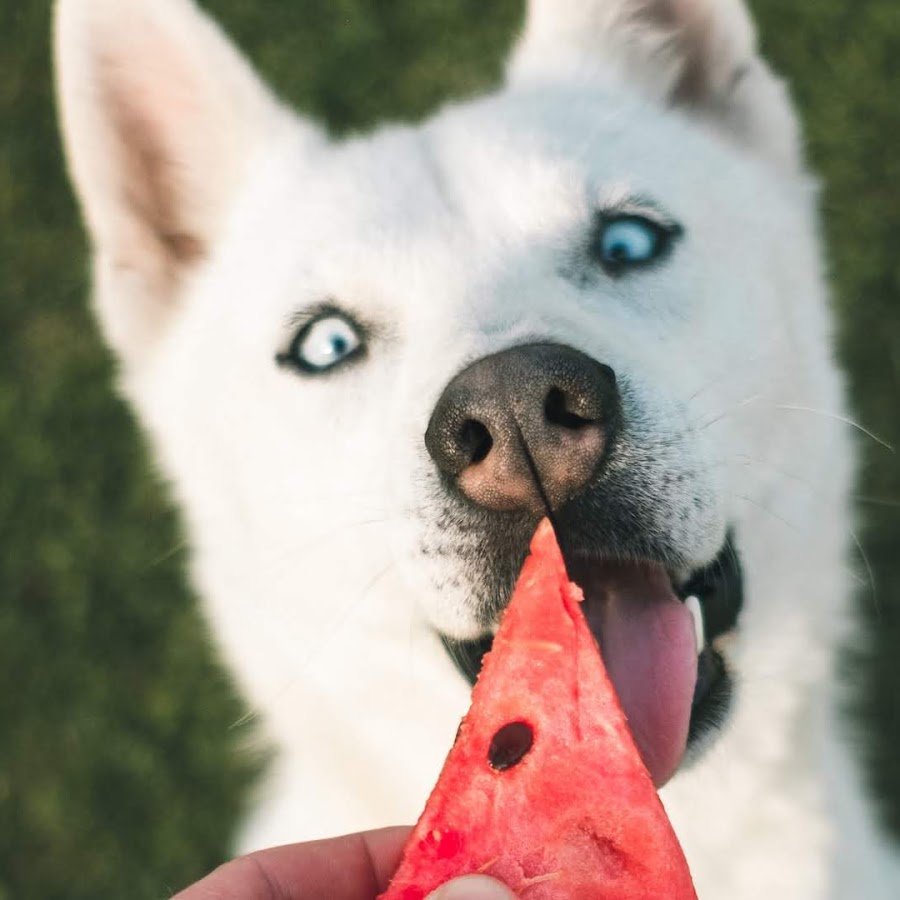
(527, 433)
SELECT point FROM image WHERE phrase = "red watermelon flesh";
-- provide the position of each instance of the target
(544, 787)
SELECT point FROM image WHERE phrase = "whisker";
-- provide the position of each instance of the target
(294, 554)
(765, 509)
(838, 417)
(887, 502)
(753, 398)
(805, 482)
(166, 555)
(876, 604)
(246, 718)
(746, 459)
(332, 498)
(732, 372)
(337, 623)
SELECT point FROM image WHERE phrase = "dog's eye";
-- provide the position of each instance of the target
(631, 241)
(324, 343)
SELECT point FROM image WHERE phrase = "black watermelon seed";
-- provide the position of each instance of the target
(509, 746)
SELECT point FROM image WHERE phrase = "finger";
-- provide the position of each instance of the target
(355, 867)
(472, 887)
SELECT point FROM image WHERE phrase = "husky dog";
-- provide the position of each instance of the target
(370, 366)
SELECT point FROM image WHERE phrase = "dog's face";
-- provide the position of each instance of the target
(585, 296)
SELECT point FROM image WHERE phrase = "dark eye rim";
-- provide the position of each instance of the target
(667, 234)
(291, 359)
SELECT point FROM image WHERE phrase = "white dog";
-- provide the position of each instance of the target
(369, 367)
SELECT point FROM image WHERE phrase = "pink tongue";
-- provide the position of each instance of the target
(646, 636)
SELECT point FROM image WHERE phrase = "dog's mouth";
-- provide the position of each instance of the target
(658, 633)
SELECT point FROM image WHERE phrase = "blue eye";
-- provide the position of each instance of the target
(631, 241)
(324, 343)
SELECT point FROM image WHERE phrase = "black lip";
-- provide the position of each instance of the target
(467, 655)
(719, 586)
(712, 697)
(720, 589)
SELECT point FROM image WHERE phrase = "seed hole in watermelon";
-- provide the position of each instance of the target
(509, 745)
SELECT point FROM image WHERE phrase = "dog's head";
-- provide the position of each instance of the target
(593, 294)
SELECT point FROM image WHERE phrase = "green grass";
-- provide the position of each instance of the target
(120, 774)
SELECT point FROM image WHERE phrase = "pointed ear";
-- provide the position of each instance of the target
(159, 115)
(697, 54)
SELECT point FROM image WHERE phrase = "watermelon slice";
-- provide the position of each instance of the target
(544, 788)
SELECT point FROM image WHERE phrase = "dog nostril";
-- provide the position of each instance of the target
(475, 441)
(557, 411)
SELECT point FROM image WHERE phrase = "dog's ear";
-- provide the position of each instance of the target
(160, 114)
(700, 55)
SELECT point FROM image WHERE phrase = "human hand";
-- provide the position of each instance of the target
(355, 867)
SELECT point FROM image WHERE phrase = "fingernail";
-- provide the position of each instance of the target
(472, 887)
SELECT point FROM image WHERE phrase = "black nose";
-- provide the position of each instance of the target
(525, 427)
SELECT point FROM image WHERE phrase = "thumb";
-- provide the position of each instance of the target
(472, 887)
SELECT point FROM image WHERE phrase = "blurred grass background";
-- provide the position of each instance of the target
(120, 774)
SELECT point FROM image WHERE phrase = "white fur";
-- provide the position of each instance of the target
(309, 502)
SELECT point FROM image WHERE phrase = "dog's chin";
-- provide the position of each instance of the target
(662, 637)
(458, 625)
